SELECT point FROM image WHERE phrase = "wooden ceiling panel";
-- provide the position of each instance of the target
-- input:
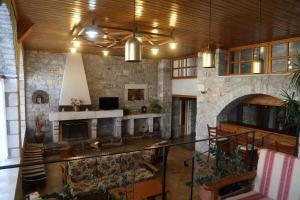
(234, 22)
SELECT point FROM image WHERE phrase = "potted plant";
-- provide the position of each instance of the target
(155, 106)
(223, 165)
(76, 103)
(291, 106)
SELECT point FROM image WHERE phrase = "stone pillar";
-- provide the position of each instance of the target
(150, 124)
(164, 88)
(130, 127)
(55, 133)
(94, 124)
(117, 127)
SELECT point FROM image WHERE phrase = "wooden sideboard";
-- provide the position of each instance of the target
(230, 128)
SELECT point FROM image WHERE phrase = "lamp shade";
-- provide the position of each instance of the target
(208, 58)
(133, 50)
(257, 67)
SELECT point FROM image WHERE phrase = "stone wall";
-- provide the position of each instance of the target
(216, 92)
(106, 76)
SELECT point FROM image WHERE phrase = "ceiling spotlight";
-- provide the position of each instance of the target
(173, 44)
(76, 43)
(154, 51)
(91, 33)
(105, 52)
(105, 36)
(155, 31)
(73, 50)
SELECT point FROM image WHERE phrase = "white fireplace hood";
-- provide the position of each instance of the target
(74, 83)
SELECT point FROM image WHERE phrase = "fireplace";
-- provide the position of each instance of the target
(74, 130)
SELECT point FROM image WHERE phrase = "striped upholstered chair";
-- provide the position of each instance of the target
(277, 178)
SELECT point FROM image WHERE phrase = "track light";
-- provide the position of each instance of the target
(73, 50)
(76, 43)
(154, 50)
(91, 32)
(105, 52)
(173, 45)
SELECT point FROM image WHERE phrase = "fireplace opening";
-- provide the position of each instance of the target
(74, 130)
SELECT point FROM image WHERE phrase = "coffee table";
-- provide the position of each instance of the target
(146, 189)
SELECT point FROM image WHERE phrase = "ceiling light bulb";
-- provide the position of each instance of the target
(154, 51)
(105, 36)
(173, 45)
(105, 52)
(76, 44)
(155, 31)
(91, 33)
(73, 50)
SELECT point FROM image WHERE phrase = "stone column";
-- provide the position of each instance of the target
(55, 133)
(150, 124)
(117, 127)
(130, 127)
(164, 88)
(94, 124)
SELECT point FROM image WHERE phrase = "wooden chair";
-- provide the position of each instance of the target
(285, 148)
(212, 135)
(268, 184)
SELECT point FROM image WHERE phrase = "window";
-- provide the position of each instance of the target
(185, 67)
(240, 59)
(3, 133)
(277, 57)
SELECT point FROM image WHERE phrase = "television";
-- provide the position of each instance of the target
(108, 103)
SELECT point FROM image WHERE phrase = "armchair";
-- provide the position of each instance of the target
(277, 177)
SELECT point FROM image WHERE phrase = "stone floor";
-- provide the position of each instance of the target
(177, 173)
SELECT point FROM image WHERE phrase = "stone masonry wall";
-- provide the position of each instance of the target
(215, 92)
(106, 76)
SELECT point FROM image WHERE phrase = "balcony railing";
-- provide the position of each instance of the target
(172, 168)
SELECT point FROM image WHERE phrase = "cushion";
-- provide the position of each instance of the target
(82, 169)
(252, 195)
(278, 175)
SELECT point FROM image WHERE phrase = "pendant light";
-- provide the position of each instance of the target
(133, 46)
(257, 64)
(208, 56)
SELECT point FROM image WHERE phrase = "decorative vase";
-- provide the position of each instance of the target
(39, 137)
(76, 108)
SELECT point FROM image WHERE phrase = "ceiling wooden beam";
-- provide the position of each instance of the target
(24, 31)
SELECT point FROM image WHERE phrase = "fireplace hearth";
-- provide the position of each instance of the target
(72, 130)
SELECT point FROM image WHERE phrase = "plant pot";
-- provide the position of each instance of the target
(39, 137)
(156, 110)
(76, 108)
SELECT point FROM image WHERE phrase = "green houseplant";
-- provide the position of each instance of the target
(155, 106)
(291, 107)
(224, 165)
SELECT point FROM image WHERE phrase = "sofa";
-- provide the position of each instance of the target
(91, 175)
(276, 177)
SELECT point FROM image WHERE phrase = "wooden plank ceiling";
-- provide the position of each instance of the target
(234, 22)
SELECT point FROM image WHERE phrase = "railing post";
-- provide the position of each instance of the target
(165, 155)
(192, 184)
(252, 150)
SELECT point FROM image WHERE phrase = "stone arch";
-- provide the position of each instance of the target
(7, 47)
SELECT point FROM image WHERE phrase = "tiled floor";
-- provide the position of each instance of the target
(177, 173)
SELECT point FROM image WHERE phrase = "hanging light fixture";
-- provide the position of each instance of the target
(154, 50)
(105, 52)
(208, 56)
(133, 46)
(257, 64)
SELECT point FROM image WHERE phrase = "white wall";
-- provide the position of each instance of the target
(184, 87)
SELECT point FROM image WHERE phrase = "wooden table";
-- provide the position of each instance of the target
(146, 189)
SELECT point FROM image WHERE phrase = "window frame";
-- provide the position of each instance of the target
(268, 58)
(183, 59)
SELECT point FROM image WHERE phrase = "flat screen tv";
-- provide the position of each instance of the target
(108, 103)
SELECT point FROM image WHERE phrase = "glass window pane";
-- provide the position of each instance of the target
(262, 53)
(246, 54)
(293, 64)
(234, 69)
(175, 63)
(294, 48)
(278, 65)
(246, 67)
(191, 71)
(175, 72)
(279, 50)
(234, 56)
